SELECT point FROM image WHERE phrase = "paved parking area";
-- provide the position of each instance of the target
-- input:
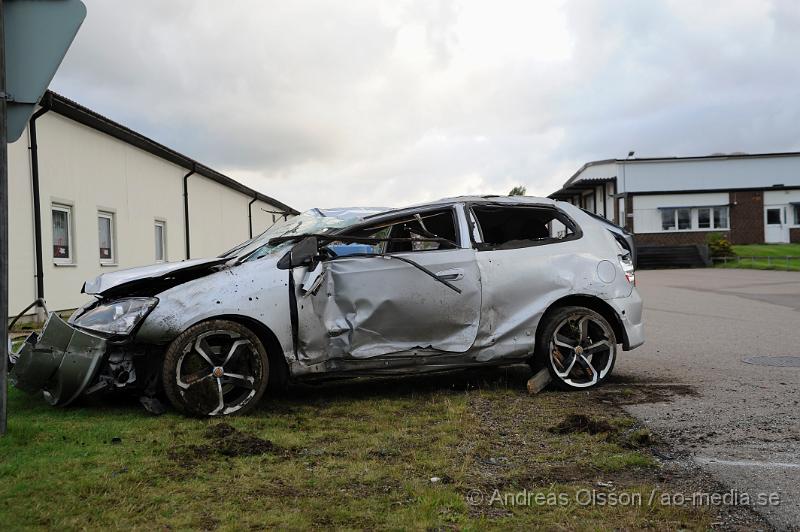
(744, 424)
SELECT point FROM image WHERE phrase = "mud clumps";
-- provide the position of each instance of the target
(581, 423)
(224, 440)
(230, 442)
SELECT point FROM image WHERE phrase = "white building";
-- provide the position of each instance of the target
(88, 195)
(751, 198)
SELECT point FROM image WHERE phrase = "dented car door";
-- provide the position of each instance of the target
(372, 304)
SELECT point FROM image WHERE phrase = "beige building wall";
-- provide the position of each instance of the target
(218, 217)
(21, 250)
(89, 172)
(262, 217)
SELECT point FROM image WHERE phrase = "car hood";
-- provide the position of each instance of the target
(150, 280)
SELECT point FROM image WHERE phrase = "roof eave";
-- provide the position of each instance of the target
(83, 115)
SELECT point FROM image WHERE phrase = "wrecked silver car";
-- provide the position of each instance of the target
(455, 283)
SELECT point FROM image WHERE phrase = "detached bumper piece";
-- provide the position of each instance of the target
(60, 362)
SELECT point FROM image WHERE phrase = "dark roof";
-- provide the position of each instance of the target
(83, 115)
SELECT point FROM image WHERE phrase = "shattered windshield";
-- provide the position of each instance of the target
(316, 221)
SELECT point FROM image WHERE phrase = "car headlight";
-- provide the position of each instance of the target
(116, 317)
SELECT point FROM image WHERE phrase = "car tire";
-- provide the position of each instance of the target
(215, 368)
(578, 346)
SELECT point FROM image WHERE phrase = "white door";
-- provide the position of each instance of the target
(776, 226)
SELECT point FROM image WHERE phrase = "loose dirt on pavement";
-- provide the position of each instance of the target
(742, 424)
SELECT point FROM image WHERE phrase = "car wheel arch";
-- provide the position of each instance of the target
(590, 302)
(279, 369)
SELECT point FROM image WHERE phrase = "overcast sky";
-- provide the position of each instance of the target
(338, 103)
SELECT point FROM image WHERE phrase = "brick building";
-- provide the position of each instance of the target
(666, 201)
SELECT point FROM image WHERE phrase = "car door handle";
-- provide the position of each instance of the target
(456, 274)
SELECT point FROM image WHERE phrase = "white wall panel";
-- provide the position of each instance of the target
(710, 174)
(781, 197)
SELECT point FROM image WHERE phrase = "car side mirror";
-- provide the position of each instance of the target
(301, 254)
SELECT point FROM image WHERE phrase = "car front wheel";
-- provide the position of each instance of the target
(215, 368)
(578, 346)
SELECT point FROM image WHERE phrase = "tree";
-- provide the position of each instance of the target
(519, 190)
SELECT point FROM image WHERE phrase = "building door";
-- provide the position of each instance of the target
(776, 226)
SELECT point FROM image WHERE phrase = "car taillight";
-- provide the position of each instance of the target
(627, 266)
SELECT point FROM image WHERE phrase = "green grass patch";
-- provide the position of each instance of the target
(346, 455)
(767, 250)
(766, 257)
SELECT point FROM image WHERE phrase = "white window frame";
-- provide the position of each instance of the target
(163, 225)
(70, 258)
(781, 220)
(796, 210)
(727, 217)
(694, 218)
(112, 260)
(710, 218)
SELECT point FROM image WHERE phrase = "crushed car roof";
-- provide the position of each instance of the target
(511, 200)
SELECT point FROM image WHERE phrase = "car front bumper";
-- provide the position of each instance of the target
(60, 361)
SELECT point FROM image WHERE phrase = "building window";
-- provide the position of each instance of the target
(773, 217)
(720, 217)
(62, 233)
(704, 218)
(796, 209)
(684, 218)
(105, 232)
(668, 219)
(687, 219)
(161, 241)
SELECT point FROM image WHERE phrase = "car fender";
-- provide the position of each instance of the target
(256, 290)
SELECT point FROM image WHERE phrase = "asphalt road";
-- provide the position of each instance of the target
(743, 426)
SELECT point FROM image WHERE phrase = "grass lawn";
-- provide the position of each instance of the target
(357, 455)
(770, 257)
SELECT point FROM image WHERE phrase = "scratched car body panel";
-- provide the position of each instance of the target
(455, 283)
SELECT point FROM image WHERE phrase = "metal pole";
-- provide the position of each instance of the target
(3, 235)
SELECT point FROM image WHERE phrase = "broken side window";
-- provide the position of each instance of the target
(424, 231)
(519, 226)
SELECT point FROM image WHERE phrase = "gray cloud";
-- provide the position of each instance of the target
(388, 103)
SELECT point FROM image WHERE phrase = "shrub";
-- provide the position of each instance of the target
(719, 245)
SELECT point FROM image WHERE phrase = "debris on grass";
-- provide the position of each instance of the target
(538, 382)
(581, 423)
(225, 440)
(230, 442)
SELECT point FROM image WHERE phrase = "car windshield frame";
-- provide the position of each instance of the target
(312, 221)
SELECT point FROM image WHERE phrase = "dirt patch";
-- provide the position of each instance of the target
(224, 440)
(230, 442)
(581, 423)
(592, 444)
(640, 393)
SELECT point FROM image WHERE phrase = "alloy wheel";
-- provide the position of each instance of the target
(218, 373)
(582, 350)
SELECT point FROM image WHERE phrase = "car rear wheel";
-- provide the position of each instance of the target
(578, 346)
(215, 368)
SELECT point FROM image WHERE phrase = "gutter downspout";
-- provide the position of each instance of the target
(186, 209)
(250, 214)
(37, 213)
